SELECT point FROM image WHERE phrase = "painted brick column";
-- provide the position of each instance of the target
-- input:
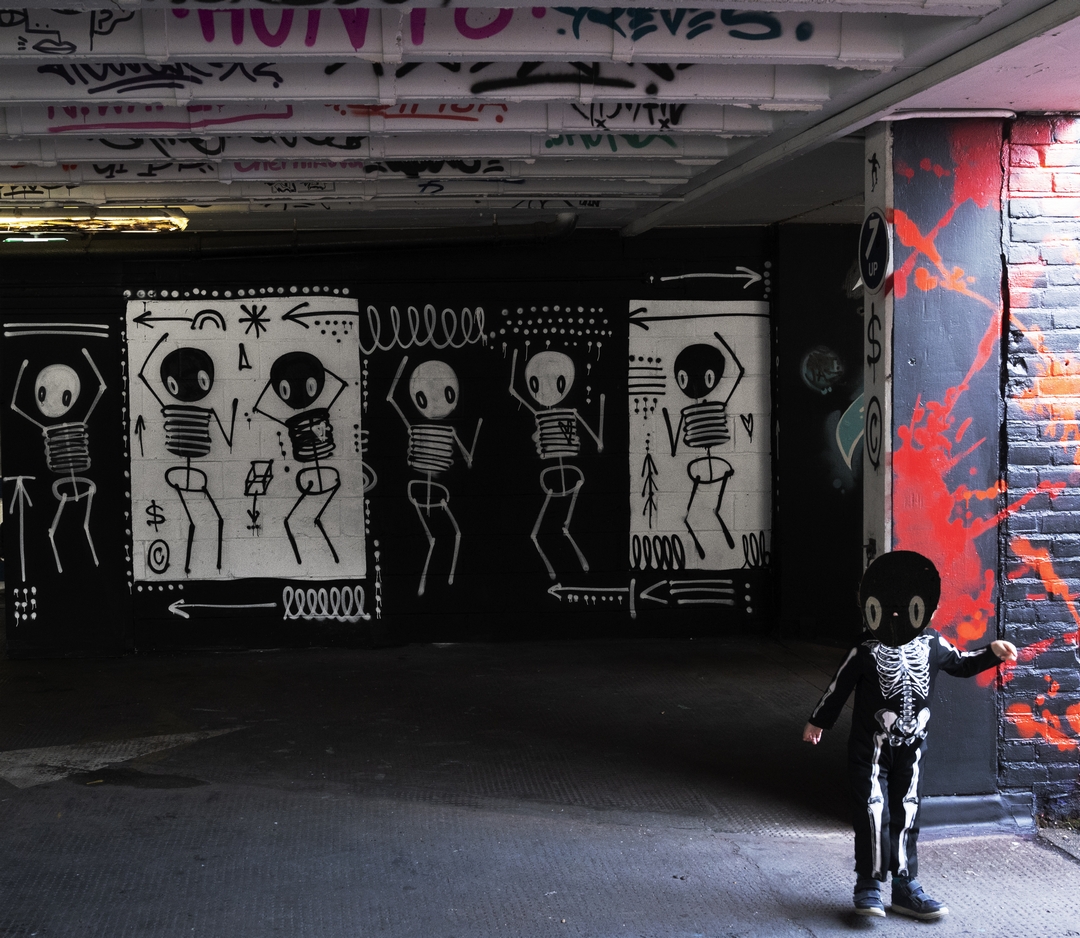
(1041, 699)
(932, 480)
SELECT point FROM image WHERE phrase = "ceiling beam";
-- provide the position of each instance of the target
(767, 153)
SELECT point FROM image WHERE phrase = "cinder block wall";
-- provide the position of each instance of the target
(1040, 747)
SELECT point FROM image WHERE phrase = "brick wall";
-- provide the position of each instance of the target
(1040, 748)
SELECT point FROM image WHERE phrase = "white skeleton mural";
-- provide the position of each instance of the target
(235, 467)
(549, 377)
(699, 434)
(61, 411)
(434, 391)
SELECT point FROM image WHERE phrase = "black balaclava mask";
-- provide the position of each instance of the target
(899, 593)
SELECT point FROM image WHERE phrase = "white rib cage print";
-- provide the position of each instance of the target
(904, 672)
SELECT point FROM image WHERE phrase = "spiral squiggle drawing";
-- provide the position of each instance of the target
(339, 605)
(448, 329)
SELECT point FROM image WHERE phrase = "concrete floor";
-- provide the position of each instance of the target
(586, 789)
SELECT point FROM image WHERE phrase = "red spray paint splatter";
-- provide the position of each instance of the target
(1047, 726)
(1053, 395)
(930, 517)
(937, 521)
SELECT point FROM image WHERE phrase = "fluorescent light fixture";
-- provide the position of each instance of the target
(76, 221)
(949, 114)
(33, 239)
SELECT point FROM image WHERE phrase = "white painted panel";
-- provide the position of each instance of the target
(721, 350)
(228, 439)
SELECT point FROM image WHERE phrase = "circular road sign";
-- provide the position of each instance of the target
(875, 246)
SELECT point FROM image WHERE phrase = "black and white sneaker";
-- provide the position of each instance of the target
(908, 898)
(868, 899)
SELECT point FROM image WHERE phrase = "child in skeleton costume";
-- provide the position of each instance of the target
(892, 671)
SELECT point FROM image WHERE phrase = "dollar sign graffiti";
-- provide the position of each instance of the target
(155, 517)
(872, 330)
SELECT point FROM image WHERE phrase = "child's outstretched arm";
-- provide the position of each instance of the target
(968, 663)
(811, 734)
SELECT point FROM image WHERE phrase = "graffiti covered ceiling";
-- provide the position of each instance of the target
(275, 113)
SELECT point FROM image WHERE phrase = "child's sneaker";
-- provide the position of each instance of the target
(908, 898)
(868, 898)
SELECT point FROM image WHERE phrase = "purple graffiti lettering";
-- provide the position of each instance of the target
(273, 40)
(356, 22)
(496, 26)
(312, 28)
(417, 22)
(236, 21)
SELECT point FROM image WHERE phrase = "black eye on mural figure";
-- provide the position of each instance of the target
(898, 594)
(698, 370)
(298, 379)
(188, 374)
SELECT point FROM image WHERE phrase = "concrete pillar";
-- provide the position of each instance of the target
(933, 385)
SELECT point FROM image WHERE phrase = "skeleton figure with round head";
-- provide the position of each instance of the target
(185, 378)
(61, 409)
(434, 391)
(549, 378)
(709, 377)
(299, 395)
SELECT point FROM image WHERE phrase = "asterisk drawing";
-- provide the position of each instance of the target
(255, 319)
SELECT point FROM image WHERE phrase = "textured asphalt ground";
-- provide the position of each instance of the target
(562, 789)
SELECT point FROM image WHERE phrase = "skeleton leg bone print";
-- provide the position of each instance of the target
(700, 479)
(239, 473)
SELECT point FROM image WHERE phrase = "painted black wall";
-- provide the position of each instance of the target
(819, 350)
(501, 590)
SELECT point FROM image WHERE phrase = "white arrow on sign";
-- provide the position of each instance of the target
(177, 608)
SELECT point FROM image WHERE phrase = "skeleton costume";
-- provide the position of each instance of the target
(892, 671)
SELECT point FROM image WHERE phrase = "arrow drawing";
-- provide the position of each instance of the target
(640, 317)
(197, 321)
(648, 491)
(17, 499)
(294, 314)
(140, 425)
(746, 273)
(573, 592)
(177, 608)
(692, 592)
